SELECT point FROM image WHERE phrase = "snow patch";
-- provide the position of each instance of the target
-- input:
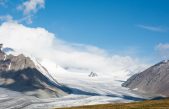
(9, 67)
(5, 57)
(165, 61)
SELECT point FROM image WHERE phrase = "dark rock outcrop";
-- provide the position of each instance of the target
(154, 80)
(92, 74)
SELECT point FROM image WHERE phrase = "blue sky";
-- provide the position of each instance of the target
(133, 27)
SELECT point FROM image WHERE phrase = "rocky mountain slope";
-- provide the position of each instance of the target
(20, 73)
(154, 80)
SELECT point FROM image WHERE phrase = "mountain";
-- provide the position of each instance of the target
(92, 74)
(23, 74)
(154, 80)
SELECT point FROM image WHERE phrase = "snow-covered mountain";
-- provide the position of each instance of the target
(23, 78)
(22, 74)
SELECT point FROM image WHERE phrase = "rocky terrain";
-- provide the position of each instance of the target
(154, 80)
(20, 73)
(93, 74)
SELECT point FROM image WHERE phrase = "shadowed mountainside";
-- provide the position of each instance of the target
(154, 80)
(19, 73)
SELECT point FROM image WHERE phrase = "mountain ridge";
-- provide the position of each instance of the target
(153, 80)
(20, 73)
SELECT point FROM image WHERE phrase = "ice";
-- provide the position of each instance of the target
(104, 88)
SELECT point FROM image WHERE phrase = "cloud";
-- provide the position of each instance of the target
(7, 18)
(76, 57)
(154, 28)
(163, 50)
(27, 19)
(30, 7)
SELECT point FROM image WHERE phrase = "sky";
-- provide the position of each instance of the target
(116, 25)
(135, 28)
(120, 26)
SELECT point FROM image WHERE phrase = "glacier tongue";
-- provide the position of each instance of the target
(96, 90)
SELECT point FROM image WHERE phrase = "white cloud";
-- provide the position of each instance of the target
(30, 7)
(163, 50)
(45, 45)
(154, 28)
(27, 19)
(7, 18)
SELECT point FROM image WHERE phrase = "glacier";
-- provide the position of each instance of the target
(85, 90)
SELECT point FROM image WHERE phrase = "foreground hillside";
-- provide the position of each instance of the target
(148, 104)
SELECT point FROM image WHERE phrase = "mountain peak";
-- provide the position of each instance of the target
(92, 74)
(20, 73)
(165, 61)
(153, 80)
